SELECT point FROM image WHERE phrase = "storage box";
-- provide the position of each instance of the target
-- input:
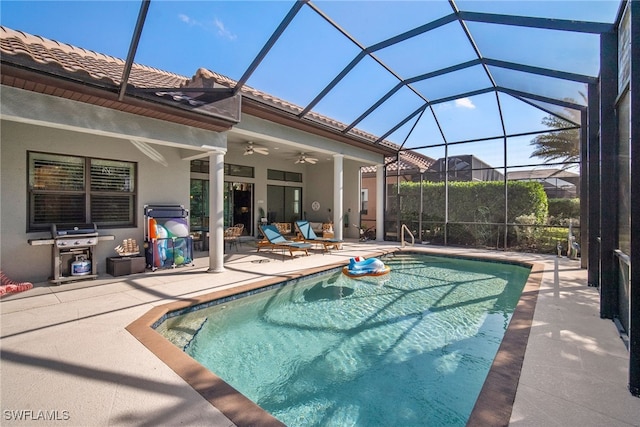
(121, 266)
(169, 253)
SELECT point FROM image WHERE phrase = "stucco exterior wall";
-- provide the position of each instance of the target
(317, 184)
(156, 184)
(261, 164)
(45, 123)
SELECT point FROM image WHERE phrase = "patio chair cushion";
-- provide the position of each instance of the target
(278, 241)
(309, 236)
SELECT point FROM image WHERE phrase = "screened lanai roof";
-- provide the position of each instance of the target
(421, 74)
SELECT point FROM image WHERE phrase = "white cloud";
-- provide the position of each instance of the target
(215, 25)
(465, 103)
(186, 19)
(222, 31)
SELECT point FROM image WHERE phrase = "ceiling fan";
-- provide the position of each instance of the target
(304, 158)
(251, 148)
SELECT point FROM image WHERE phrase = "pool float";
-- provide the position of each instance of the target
(159, 237)
(177, 227)
(359, 267)
(8, 286)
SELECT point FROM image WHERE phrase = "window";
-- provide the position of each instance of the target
(199, 213)
(277, 175)
(364, 200)
(284, 204)
(77, 190)
(202, 166)
(238, 170)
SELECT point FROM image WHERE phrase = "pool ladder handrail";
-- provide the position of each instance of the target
(413, 240)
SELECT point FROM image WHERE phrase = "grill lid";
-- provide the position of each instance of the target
(64, 230)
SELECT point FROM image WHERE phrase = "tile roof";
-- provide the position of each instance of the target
(409, 161)
(60, 58)
(283, 105)
(79, 64)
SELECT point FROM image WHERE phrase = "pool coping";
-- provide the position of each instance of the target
(494, 403)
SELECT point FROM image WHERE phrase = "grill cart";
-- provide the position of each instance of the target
(167, 241)
(72, 253)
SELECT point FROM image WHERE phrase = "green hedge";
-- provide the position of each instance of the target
(474, 202)
(564, 208)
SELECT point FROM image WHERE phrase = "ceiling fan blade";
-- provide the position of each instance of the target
(150, 152)
(251, 149)
(304, 158)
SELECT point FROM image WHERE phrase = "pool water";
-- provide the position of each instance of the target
(411, 348)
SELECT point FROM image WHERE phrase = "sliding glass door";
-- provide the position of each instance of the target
(284, 204)
(238, 205)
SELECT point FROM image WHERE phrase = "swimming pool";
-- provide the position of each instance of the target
(411, 348)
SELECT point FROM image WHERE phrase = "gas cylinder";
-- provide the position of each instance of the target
(81, 266)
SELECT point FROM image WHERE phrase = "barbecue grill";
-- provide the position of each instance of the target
(73, 244)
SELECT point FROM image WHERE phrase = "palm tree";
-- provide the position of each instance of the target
(562, 145)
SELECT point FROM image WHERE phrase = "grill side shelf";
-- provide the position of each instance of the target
(50, 241)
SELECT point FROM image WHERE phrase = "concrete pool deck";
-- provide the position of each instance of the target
(67, 358)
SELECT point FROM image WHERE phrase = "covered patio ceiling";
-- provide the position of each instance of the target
(419, 74)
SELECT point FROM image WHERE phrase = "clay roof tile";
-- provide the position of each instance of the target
(87, 65)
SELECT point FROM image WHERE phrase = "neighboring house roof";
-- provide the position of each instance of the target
(542, 174)
(551, 179)
(408, 162)
(26, 53)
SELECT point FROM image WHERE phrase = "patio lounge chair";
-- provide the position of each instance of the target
(278, 241)
(310, 236)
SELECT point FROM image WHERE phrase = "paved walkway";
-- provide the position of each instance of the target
(68, 360)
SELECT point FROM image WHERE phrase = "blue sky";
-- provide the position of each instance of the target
(225, 36)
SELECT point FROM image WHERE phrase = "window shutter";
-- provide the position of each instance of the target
(57, 189)
(56, 173)
(107, 175)
(112, 185)
(58, 209)
(112, 209)
(62, 189)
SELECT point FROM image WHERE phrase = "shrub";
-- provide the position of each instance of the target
(562, 210)
(479, 203)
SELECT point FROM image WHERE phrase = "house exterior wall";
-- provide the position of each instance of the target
(321, 173)
(368, 219)
(318, 179)
(351, 204)
(261, 164)
(45, 123)
(317, 185)
(369, 182)
(156, 184)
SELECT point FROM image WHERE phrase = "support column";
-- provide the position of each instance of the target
(380, 182)
(634, 279)
(608, 175)
(590, 230)
(338, 195)
(216, 210)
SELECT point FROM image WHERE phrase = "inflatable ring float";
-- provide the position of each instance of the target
(359, 267)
